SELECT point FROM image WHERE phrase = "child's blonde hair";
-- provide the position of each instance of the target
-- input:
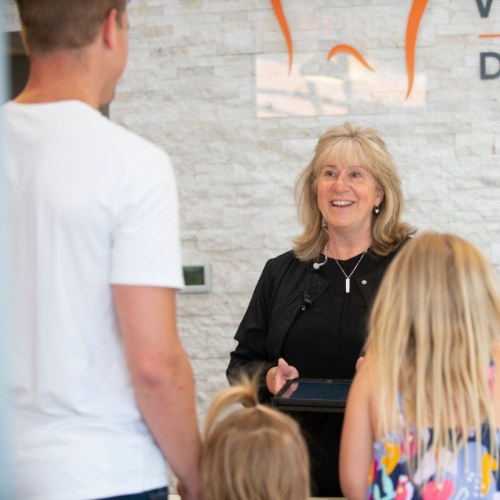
(432, 331)
(254, 452)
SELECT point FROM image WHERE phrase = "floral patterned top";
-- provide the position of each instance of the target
(462, 478)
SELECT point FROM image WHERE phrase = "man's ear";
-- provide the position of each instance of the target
(109, 28)
(24, 42)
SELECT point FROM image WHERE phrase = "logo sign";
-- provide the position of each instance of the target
(489, 61)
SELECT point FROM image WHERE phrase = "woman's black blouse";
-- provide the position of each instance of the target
(305, 316)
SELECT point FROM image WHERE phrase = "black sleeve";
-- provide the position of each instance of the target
(251, 355)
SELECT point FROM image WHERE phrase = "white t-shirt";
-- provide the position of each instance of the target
(90, 204)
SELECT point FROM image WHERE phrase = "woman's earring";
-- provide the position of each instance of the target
(376, 209)
(324, 225)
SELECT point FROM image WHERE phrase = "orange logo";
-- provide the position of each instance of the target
(416, 13)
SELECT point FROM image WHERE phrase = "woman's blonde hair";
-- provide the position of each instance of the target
(350, 143)
(254, 452)
(432, 330)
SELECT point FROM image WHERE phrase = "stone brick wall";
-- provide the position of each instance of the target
(208, 81)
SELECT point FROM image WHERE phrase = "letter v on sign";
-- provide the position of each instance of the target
(484, 9)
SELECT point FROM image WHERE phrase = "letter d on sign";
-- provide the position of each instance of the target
(484, 74)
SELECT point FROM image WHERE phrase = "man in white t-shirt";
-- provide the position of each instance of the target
(102, 389)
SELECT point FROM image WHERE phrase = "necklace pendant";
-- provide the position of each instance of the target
(348, 277)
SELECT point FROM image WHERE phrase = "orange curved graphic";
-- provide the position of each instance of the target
(416, 14)
(415, 17)
(349, 50)
(280, 15)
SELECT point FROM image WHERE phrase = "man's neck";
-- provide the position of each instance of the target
(59, 77)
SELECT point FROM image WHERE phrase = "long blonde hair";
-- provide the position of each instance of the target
(348, 143)
(252, 453)
(432, 330)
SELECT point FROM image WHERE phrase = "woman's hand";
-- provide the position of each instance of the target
(277, 376)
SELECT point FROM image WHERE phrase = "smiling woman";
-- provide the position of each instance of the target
(347, 195)
(307, 314)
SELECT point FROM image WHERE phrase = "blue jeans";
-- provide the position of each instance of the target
(158, 494)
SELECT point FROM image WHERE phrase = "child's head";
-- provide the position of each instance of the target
(252, 452)
(432, 329)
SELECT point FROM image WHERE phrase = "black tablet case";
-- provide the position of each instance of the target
(313, 395)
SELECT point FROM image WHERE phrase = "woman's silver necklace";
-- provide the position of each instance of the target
(348, 277)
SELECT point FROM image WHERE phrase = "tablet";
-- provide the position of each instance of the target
(309, 394)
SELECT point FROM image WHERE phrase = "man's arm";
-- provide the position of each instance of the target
(162, 377)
